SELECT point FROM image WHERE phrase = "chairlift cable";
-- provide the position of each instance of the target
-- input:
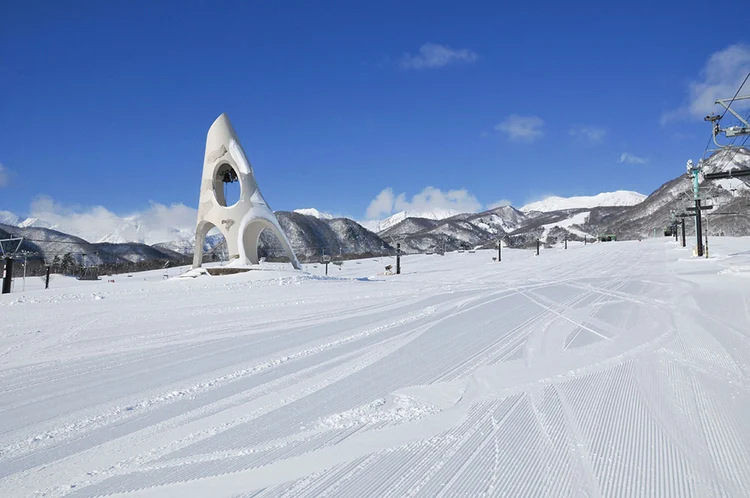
(735, 95)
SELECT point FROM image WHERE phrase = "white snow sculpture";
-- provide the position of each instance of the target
(242, 222)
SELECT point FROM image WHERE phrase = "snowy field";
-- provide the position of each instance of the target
(613, 369)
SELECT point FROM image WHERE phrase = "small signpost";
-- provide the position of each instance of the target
(398, 240)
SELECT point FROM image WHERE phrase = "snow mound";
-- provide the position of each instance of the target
(396, 410)
(740, 271)
(194, 273)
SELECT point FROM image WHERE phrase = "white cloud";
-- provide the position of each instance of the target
(428, 200)
(720, 78)
(432, 55)
(4, 176)
(500, 203)
(157, 223)
(521, 128)
(381, 205)
(592, 134)
(626, 157)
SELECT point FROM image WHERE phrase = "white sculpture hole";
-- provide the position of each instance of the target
(215, 247)
(232, 192)
(270, 248)
(227, 186)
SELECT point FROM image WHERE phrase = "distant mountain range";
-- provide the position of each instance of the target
(730, 199)
(312, 233)
(629, 215)
(47, 243)
(617, 198)
(310, 237)
(378, 226)
(8, 218)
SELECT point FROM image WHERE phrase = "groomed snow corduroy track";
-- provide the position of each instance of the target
(613, 369)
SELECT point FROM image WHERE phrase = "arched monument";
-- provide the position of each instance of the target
(242, 222)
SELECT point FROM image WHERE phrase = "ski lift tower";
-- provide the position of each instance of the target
(729, 132)
(743, 129)
(8, 253)
(695, 171)
(673, 224)
(90, 271)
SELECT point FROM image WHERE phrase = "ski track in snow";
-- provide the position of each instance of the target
(612, 369)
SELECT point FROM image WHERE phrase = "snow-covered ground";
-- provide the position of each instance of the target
(612, 369)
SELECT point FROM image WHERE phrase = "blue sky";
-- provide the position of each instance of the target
(108, 103)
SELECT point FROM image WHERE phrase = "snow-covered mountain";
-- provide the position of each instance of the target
(730, 215)
(554, 203)
(35, 223)
(314, 213)
(460, 231)
(730, 199)
(47, 243)
(135, 229)
(311, 232)
(728, 160)
(157, 224)
(310, 237)
(378, 226)
(185, 244)
(8, 218)
(503, 219)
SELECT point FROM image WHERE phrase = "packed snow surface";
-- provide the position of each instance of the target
(611, 369)
(617, 198)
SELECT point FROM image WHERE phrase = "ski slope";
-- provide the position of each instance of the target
(612, 369)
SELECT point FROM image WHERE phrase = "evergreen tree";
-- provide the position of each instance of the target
(67, 265)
